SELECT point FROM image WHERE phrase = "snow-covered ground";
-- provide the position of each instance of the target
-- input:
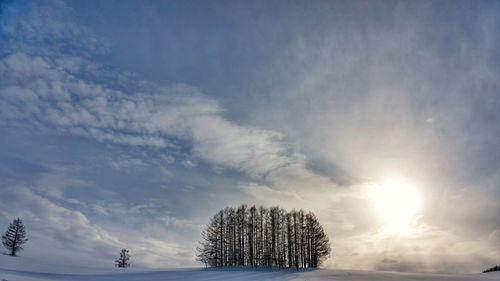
(23, 269)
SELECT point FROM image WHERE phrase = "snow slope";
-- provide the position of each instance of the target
(22, 269)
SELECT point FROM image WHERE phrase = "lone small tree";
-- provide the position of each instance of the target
(14, 237)
(123, 260)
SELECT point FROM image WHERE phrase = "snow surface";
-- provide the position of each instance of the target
(25, 269)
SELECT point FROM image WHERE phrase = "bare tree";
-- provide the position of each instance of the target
(14, 237)
(268, 237)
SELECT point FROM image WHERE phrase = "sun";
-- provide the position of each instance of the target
(397, 202)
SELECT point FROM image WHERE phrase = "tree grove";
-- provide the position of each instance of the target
(272, 237)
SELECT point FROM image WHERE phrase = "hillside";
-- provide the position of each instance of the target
(21, 269)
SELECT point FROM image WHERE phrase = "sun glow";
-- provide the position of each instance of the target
(397, 203)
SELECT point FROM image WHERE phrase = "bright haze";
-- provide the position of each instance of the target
(128, 124)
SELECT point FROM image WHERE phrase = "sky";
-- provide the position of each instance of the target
(128, 124)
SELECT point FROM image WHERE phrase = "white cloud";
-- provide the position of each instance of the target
(140, 119)
(168, 158)
(46, 28)
(189, 163)
(55, 182)
(53, 228)
(125, 163)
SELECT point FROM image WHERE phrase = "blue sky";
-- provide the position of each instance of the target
(129, 123)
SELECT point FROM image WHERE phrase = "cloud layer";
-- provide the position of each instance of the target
(100, 146)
